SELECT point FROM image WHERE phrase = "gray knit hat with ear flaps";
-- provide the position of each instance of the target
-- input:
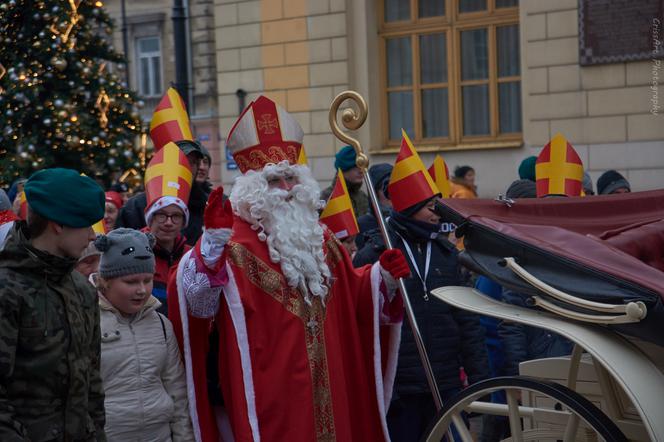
(125, 252)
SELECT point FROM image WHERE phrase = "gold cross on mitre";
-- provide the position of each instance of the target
(560, 167)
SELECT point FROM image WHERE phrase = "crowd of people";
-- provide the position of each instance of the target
(195, 314)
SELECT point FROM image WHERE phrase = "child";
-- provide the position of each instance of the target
(143, 376)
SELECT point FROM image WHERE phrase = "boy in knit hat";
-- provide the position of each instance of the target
(50, 387)
(133, 335)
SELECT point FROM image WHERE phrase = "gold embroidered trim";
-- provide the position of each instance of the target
(332, 252)
(274, 284)
(255, 158)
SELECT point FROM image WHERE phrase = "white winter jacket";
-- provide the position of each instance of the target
(143, 376)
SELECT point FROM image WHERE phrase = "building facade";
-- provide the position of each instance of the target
(482, 82)
(148, 28)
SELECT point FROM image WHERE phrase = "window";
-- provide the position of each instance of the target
(148, 66)
(451, 72)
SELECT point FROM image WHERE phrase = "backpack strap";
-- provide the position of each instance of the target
(163, 326)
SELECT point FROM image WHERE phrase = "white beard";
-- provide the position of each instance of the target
(288, 222)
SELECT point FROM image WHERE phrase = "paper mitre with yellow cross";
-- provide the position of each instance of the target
(167, 181)
(441, 176)
(170, 121)
(558, 169)
(338, 214)
(410, 182)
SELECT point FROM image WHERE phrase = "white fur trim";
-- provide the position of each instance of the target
(391, 284)
(383, 387)
(4, 231)
(236, 309)
(189, 373)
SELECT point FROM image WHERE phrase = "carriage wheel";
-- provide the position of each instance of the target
(564, 415)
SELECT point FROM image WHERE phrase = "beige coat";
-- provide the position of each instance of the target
(143, 376)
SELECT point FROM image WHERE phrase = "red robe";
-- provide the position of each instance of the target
(290, 371)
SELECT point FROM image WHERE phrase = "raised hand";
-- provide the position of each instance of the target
(395, 263)
(218, 211)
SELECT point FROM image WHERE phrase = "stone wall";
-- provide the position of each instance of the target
(603, 110)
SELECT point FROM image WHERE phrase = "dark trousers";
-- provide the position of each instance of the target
(410, 415)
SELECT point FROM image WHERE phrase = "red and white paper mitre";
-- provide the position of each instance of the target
(265, 133)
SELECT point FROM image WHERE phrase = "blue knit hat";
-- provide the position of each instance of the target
(345, 158)
(527, 168)
(65, 197)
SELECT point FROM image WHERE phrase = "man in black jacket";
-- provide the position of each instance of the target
(132, 214)
(453, 338)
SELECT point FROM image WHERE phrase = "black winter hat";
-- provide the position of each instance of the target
(522, 189)
(380, 176)
(189, 146)
(610, 181)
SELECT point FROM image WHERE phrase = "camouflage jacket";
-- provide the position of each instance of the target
(50, 388)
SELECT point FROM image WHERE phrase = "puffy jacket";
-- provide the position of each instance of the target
(524, 343)
(50, 389)
(453, 338)
(459, 189)
(143, 376)
(132, 214)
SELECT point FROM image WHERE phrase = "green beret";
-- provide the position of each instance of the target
(65, 197)
(345, 159)
(527, 169)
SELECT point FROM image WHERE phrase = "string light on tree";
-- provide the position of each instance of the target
(103, 103)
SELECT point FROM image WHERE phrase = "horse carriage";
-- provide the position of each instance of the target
(594, 269)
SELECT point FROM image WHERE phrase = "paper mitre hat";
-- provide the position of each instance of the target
(100, 227)
(167, 181)
(338, 214)
(23, 206)
(441, 176)
(410, 182)
(170, 121)
(558, 169)
(265, 133)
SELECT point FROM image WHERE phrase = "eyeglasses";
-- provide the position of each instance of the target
(162, 217)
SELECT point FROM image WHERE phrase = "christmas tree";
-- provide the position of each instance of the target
(60, 106)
